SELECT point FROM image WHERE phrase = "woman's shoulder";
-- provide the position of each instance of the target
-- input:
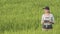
(51, 14)
(43, 14)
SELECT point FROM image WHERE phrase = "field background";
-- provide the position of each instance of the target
(24, 16)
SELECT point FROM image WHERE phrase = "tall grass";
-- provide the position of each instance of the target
(19, 15)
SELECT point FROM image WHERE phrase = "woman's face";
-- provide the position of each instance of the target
(46, 11)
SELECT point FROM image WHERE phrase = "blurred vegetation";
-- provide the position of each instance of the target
(19, 15)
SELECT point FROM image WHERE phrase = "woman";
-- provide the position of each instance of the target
(47, 19)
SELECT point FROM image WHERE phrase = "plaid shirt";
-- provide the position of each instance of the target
(49, 17)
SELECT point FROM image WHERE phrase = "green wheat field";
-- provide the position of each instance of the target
(24, 16)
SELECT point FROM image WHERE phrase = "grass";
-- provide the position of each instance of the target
(24, 16)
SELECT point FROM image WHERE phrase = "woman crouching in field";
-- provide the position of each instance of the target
(47, 19)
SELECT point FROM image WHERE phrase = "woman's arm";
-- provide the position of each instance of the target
(52, 19)
(42, 20)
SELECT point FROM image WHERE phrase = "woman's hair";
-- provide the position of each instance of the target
(49, 11)
(47, 8)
